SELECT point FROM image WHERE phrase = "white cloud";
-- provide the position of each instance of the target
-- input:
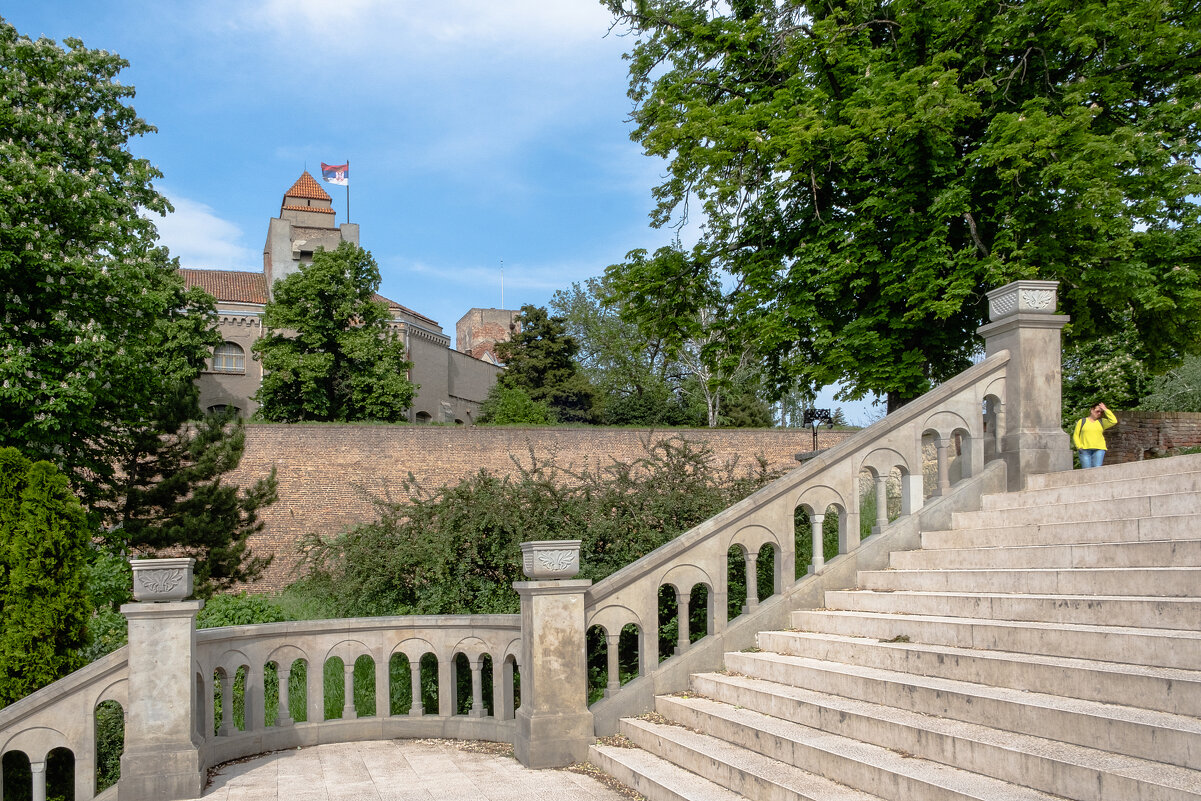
(201, 239)
(420, 26)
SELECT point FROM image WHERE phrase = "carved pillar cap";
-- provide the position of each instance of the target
(1039, 297)
(159, 580)
(543, 560)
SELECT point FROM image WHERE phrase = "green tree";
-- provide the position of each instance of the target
(332, 355)
(96, 324)
(456, 550)
(177, 498)
(513, 406)
(1177, 390)
(675, 296)
(867, 169)
(540, 359)
(44, 606)
(101, 341)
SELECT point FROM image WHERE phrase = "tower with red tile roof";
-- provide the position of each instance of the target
(452, 385)
(305, 223)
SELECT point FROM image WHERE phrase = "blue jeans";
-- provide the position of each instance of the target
(1091, 457)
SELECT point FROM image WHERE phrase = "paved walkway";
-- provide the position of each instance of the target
(399, 770)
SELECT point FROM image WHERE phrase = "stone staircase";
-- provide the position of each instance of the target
(1047, 646)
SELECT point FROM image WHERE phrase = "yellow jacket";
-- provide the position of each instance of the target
(1089, 433)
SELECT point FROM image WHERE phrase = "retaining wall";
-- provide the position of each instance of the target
(1144, 435)
(328, 473)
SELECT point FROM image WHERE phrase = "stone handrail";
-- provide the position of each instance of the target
(954, 414)
(222, 652)
(1002, 415)
(62, 715)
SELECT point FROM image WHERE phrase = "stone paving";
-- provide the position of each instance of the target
(398, 770)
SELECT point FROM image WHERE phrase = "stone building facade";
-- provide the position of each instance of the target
(479, 330)
(452, 384)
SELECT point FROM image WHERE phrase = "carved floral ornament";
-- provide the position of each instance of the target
(550, 559)
(162, 579)
(1021, 296)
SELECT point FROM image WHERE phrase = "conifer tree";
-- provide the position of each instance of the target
(44, 605)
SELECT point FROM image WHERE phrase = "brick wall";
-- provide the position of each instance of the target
(328, 473)
(1142, 435)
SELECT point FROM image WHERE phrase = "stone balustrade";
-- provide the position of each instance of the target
(193, 699)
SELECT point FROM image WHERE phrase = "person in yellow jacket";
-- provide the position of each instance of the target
(1089, 435)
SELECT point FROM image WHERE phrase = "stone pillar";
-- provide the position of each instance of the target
(227, 706)
(283, 715)
(348, 711)
(415, 709)
(38, 771)
(477, 688)
(162, 748)
(383, 688)
(819, 551)
(612, 644)
(554, 724)
(682, 617)
(943, 446)
(752, 581)
(1025, 323)
(881, 504)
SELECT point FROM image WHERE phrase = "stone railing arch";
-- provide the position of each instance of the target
(1002, 413)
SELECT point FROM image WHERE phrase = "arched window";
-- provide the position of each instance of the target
(229, 358)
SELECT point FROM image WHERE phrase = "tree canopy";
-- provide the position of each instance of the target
(331, 354)
(96, 324)
(101, 341)
(43, 553)
(867, 170)
(540, 359)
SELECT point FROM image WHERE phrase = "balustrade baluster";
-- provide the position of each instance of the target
(477, 688)
(881, 504)
(383, 689)
(283, 715)
(446, 686)
(415, 709)
(38, 769)
(943, 445)
(348, 712)
(682, 619)
(227, 705)
(611, 643)
(819, 551)
(752, 580)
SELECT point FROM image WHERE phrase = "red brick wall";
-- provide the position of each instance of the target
(328, 473)
(1142, 435)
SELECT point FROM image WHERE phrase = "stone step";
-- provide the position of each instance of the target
(1098, 491)
(1142, 733)
(1115, 472)
(1167, 648)
(1156, 505)
(1174, 582)
(1163, 689)
(654, 778)
(861, 765)
(1158, 553)
(1092, 610)
(1072, 771)
(1168, 527)
(733, 767)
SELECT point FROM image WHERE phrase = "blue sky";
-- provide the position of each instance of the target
(477, 131)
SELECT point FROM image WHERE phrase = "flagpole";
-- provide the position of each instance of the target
(347, 191)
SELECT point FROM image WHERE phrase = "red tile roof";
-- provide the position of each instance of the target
(231, 286)
(307, 187)
(237, 286)
(317, 209)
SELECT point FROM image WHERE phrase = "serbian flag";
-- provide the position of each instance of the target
(336, 173)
